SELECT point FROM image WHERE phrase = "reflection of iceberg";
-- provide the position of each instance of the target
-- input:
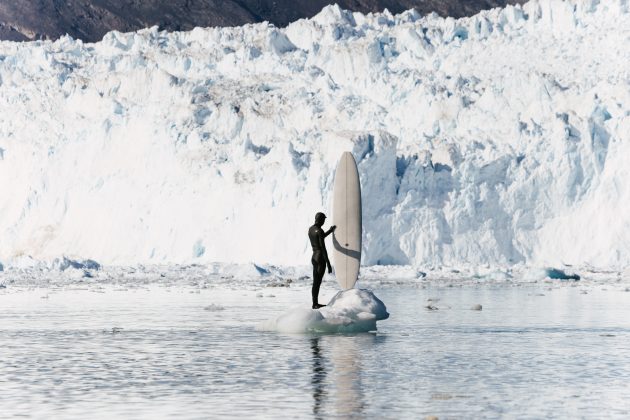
(354, 310)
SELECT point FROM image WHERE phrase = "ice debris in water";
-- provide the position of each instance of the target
(557, 274)
(354, 310)
(114, 330)
(548, 273)
(66, 263)
(214, 308)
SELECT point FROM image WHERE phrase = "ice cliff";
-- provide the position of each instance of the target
(494, 140)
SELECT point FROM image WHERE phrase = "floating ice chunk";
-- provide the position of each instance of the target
(297, 320)
(354, 310)
(492, 275)
(434, 304)
(213, 307)
(535, 274)
(66, 263)
(557, 274)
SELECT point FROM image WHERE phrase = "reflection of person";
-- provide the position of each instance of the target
(319, 378)
(320, 256)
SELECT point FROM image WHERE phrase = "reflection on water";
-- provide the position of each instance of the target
(342, 365)
(347, 373)
(319, 378)
(158, 354)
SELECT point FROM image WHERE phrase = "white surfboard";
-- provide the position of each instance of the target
(347, 217)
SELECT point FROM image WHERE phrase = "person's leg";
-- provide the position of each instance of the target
(318, 274)
(315, 288)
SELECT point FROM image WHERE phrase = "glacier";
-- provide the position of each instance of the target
(493, 141)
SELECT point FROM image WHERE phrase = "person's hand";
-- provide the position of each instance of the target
(333, 227)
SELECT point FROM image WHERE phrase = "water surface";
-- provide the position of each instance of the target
(164, 352)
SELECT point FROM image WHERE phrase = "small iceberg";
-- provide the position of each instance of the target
(349, 311)
(557, 274)
(549, 273)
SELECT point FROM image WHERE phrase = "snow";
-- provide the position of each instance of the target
(349, 311)
(488, 142)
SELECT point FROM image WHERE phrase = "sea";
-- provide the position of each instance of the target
(554, 349)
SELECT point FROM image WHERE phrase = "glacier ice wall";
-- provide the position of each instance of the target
(498, 139)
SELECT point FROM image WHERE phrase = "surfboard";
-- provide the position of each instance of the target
(347, 218)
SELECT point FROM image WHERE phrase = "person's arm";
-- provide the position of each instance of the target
(331, 230)
(322, 245)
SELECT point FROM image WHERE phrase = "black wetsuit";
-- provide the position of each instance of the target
(320, 258)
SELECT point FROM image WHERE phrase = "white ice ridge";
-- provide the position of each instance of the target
(349, 311)
(496, 139)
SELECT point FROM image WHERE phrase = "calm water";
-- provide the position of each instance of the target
(157, 353)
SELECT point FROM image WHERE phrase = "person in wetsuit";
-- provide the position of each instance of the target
(320, 257)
